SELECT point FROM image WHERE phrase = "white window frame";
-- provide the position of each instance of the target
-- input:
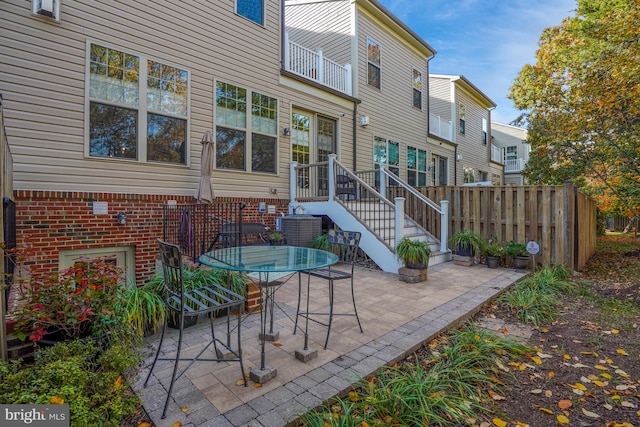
(484, 131)
(372, 42)
(124, 255)
(510, 153)
(416, 86)
(418, 169)
(462, 119)
(141, 108)
(249, 127)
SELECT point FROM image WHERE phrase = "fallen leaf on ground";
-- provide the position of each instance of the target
(590, 414)
(495, 396)
(565, 404)
(499, 423)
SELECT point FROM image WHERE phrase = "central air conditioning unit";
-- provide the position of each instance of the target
(48, 8)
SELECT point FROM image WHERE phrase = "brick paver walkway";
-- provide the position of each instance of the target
(397, 318)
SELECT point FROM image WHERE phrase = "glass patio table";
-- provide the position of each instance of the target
(270, 263)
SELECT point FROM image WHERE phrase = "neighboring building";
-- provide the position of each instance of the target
(390, 68)
(460, 132)
(514, 150)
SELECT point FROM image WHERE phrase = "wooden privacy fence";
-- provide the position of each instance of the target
(560, 218)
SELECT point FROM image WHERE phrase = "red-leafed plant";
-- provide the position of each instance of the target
(70, 301)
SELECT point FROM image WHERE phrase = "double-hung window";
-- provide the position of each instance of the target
(138, 107)
(373, 63)
(251, 9)
(461, 116)
(246, 129)
(484, 131)
(417, 89)
(416, 167)
(386, 152)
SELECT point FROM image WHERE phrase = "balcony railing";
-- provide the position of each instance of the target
(514, 165)
(440, 127)
(314, 66)
(496, 154)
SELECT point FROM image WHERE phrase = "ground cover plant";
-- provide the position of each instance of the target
(580, 367)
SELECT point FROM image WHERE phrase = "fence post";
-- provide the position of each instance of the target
(399, 231)
(347, 79)
(444, 225)
(570, 219)
(320, 68)
(383, 182)
(287, 54)
(332, 176)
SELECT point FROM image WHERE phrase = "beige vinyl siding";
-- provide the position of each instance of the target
(440, 97)
(474, 153)
(390, 109)
(43, 83)
(321, 25)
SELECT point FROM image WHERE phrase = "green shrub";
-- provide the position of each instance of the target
(78, 373)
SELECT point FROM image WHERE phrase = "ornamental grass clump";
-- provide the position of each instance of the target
(446, 389)
(535, 299)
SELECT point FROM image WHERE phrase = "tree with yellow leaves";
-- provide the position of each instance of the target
(581, 104)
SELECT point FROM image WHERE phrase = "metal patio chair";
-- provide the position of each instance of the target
(210, 299)
(346, 244)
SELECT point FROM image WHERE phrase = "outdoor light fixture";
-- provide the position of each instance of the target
(122, 218)
(364, 120)
(286, 132)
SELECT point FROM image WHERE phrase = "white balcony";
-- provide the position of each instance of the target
(514, 165)
(314, 66)
(440, 127)
(496, 154)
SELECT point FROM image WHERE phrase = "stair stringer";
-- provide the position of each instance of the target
(377, 250)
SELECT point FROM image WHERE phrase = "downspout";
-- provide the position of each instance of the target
(355, 129)
(455, 165)
(282, 35)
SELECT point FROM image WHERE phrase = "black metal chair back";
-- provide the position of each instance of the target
(345, 244)
(211, 299)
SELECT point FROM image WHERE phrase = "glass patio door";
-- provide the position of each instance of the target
(313, 138)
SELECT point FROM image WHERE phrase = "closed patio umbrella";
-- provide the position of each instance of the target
(205, 189)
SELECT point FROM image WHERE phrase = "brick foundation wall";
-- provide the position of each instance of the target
(50, 221)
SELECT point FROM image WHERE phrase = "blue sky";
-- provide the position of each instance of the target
(487, 41)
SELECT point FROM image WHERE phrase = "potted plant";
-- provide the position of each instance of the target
(276, 238)
(414, 255)
(466, 242)
(518, 253)
(493, 252)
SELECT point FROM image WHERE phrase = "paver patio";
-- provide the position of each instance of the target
(397, 317)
